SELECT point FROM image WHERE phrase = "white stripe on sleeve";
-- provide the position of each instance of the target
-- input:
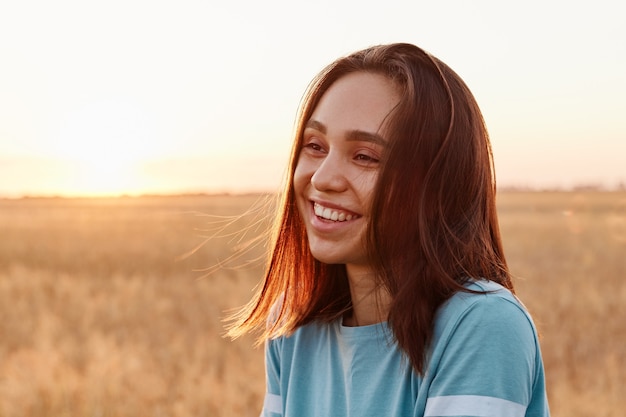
(273, 403)
(472, 405)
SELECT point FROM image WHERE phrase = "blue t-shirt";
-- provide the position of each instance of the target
(484, 361)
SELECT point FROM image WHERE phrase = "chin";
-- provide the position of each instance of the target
(326, 259)
(334, 258)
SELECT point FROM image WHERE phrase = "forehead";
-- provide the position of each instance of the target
(359, 100)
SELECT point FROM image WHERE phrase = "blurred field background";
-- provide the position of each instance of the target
(101, 315)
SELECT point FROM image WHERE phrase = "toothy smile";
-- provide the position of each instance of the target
(332, 214)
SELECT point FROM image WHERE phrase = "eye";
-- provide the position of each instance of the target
(367, 158)
(313, 146)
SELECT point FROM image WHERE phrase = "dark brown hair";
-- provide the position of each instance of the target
(434, 228)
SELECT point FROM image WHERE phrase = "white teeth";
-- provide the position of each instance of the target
(329, 214)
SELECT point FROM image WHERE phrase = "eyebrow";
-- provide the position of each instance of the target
(353, 135)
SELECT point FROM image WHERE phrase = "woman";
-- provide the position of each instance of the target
(387, 292)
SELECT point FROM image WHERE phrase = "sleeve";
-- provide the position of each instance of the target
(273, 403)
(487, 365)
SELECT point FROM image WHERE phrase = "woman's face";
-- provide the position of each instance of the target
(338, 165)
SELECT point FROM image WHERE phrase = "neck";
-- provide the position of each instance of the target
(370, 302)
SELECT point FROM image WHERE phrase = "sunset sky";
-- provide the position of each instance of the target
(137, 96)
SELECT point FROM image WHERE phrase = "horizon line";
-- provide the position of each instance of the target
(621, 187)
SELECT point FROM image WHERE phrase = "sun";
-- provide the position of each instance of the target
(104, 145)
(105, 176)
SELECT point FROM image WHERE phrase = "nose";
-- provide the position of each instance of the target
(330, 175)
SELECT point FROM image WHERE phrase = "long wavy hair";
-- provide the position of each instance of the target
(433, 228)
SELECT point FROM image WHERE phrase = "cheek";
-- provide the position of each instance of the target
(366, 188)
(301, 175)
(300, 184)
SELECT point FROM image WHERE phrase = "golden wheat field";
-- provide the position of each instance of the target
(101, 314)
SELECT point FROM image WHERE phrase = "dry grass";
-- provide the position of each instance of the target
(99, 318)
(568, 251)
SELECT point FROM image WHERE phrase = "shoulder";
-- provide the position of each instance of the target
(284, 352)
(304, 337)
(495, 313)
(488, 298)
(485, 344)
